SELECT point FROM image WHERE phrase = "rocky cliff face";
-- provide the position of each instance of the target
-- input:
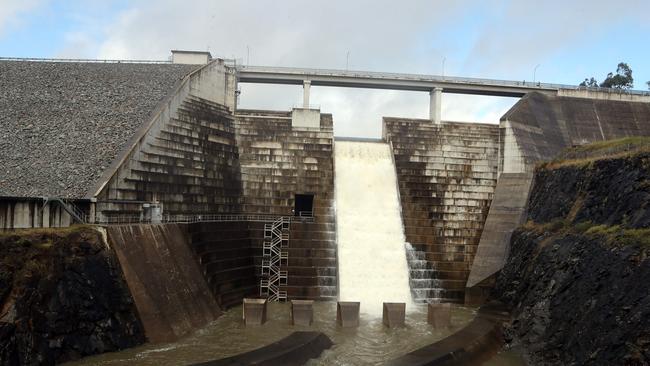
(62, 297)
(578, 275)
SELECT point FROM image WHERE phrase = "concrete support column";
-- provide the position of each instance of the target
(306, 86)
(435, 105)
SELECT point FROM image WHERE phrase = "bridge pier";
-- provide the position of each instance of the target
(435, 105)
(306, 86)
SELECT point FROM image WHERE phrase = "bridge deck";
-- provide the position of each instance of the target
(395, 81)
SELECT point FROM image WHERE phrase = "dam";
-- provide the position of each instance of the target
(205, 204)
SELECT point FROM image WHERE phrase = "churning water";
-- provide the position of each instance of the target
(370, 344)
(370, 235)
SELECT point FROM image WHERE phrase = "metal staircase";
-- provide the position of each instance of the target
(276, 237)
(75, 212)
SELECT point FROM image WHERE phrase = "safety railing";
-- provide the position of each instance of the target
(181, 219)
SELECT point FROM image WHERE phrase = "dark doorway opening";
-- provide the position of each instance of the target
(304, 206)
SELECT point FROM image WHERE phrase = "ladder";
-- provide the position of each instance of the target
(276, 238)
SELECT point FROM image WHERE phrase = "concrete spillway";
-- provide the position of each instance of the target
(371, 252)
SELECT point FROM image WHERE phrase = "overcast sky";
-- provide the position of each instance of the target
(569, 40)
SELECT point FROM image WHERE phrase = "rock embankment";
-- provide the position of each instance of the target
(578, 275)
(62, 124)
(62, 297)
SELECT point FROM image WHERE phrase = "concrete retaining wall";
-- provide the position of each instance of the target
(446, 175)
(164, 278)
(507, 212)
(538, 127)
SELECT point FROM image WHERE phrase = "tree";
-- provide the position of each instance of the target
(648, 82)
(621, 80)
(592, 83)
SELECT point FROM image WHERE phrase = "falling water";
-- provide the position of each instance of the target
(371, 251)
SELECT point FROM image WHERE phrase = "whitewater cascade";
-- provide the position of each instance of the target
(370, 235)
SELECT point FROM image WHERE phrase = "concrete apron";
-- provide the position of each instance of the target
(476, 343)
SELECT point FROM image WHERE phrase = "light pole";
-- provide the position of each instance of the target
(443, 67)
(347, 60)
(535, 72)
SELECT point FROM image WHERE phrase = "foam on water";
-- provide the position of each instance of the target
(370, 235)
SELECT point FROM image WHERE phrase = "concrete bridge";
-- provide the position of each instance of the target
(434, 85)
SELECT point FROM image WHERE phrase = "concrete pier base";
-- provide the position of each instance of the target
(347, 314)
(394, 314)
(439, 315)
(302, 312)
(254, 311)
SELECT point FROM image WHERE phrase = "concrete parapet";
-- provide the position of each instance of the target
(439, 315)
(394, 314)
(605, 94)
(302, 312)
(347, 314)
(254, 311)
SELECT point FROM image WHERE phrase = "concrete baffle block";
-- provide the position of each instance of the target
(302, 312)
(347, 314)
(439, 315)
(394, 314)
(254, 311)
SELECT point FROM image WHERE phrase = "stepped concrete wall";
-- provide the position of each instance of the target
(446, 175)
(277, 162)
(186, 158)
(225, 252)
(164, 278)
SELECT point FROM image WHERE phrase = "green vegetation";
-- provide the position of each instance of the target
(609, 149)
(614, 235)
(622, 79)
(42, 232)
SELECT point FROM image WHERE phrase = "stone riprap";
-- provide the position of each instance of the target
(62, 124)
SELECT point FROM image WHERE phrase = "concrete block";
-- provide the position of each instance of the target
(347, 314)
(254, 311)
(305, 117)
(394, 314)
(302, 312)
(439, 315)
